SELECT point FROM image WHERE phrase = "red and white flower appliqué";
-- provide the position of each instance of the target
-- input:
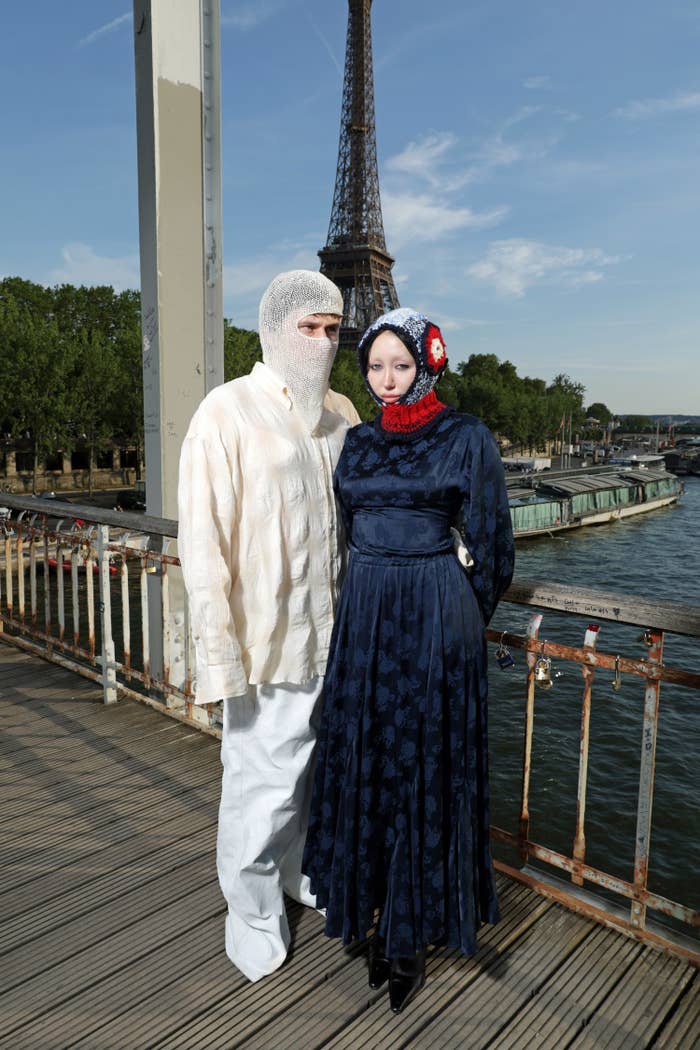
(435, 348)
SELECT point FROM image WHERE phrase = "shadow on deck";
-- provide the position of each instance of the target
(111, 921)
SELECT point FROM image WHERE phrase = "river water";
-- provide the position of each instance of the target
(655, 555)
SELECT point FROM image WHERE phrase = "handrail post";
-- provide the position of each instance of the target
(8, 575)
(645, 798)
(109, 669)
(579, 848)
(524, 822)
(20, 574)
(47, 588)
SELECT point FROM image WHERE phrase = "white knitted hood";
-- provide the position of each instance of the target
(302, 362)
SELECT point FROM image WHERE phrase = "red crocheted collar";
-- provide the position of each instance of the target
(405, 418)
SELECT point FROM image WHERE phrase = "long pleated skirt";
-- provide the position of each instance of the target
(399, 823)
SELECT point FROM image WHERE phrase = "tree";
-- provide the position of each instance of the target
(27, 295)
(565, 397)
(600, 412)
(636, 424)
(485, 390)
(94, 385)
(347, 379)
(34, 365)
(449, 389)
(125, 411)
(241, 351)
(71, 364)
(569, 394)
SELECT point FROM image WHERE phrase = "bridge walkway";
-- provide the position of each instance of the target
(111, 921)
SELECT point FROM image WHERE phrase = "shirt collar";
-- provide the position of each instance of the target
(270, 382)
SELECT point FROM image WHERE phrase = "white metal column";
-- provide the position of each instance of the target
(177, 61)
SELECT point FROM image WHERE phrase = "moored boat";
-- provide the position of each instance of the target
(571, 502)
(682, 461)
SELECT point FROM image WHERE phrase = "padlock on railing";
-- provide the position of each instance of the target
(503, 656)
(617, 680)
(543, 672)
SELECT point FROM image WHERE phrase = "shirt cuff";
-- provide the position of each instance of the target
(223, 680)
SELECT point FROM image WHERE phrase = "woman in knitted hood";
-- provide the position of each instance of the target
(399, 830)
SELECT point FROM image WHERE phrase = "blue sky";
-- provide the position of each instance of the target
(539, 168)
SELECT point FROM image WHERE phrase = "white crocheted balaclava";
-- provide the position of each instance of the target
(302, 362)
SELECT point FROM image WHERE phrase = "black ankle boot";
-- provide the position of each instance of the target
(406, 978)
(378, 962)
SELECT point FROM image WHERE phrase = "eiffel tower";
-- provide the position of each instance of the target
(355, 255)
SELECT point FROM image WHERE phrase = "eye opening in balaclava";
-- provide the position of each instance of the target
(302, 362)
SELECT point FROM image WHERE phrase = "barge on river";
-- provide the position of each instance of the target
(570, 502)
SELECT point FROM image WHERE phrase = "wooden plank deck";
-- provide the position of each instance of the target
(111, 921)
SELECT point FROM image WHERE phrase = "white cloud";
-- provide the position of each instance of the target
(425, 200)
(245, 281)
(538, 83)
(511, 266)
(435, 158)
(431, 158)
(82, 265)
(499, 150)
(108, 27)
(419, 196)
(522, 114)
(496, 153)
(421, 159)
(502, 150)
(457, 324)
(652, 107)
(425, 217)
(584, 277)
(246, 16)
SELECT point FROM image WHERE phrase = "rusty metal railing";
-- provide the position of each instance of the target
(657, 618)
(94, 577)
(101, 600)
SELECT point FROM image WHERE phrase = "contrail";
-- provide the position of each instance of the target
(103, 30)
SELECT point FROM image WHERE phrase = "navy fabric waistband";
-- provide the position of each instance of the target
(403, 532)
(398, 557)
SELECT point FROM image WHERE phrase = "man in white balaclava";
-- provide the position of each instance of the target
(285, 346)
(260, 551)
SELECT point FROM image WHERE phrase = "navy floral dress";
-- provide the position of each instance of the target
(400, 810)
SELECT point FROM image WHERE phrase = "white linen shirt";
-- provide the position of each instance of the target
(259, 537)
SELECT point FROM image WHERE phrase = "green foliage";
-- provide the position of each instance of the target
(600, 412)
(522, 409)
(33, 364)
(636, 425)
(93, 391)
(525, 411)
(70, 373)
(70, 366)
(347, 379)
(568, 394)
(241, 350)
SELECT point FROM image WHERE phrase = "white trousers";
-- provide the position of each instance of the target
(267, 747)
